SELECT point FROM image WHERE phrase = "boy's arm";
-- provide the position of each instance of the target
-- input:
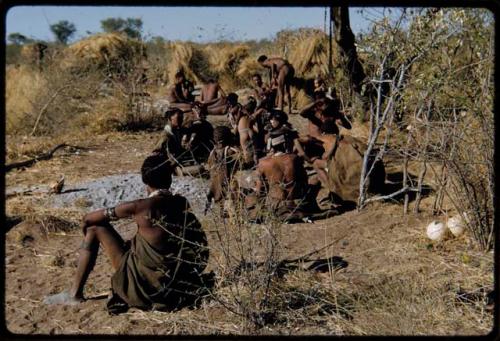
(105, 215)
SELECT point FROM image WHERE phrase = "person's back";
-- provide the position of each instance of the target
(223, 162)
(203, 142)
(161, 219)
(209, 91)
(285, 176)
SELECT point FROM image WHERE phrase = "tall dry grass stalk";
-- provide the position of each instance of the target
(22, 84)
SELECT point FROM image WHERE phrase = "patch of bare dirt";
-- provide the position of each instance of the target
(395, 280)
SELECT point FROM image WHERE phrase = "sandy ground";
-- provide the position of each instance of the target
(110, 190)
(381, 248)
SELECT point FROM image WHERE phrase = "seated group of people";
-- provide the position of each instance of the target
(162, 266)
(257, 138)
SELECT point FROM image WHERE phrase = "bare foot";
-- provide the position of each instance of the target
(62, 298)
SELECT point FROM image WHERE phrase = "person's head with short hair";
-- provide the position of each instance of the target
(277, 118)
(179, 77)
(222, 136)
(329, 127)
(250, 105)
(175, 117)
(200, 110)
(232, 99)
(257, 79)
(262, 59)
(156, 171)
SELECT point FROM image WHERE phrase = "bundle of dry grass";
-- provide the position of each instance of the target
(227, 58)
(189, 58)
(300, 98)
(310, 56)
(103, 50)
(248, 67)
(211, 61)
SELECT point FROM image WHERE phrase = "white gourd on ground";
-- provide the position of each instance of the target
(456, 225)
(436, 230)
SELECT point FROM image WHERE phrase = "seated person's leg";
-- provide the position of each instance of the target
(114, 246)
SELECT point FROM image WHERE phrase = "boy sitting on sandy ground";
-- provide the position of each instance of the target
(160, 268)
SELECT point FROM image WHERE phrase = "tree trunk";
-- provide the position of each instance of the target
(346, 43)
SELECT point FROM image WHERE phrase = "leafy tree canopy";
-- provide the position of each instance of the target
(130, 26)
(18, 38)
(63, 30)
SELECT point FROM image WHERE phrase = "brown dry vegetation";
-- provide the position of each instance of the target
(380, 274)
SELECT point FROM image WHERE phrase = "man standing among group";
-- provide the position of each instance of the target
(281, 72)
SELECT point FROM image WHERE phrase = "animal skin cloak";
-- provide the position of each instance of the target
(344, 169)
(148, 279)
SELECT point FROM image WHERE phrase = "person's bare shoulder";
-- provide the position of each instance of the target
(244, 121)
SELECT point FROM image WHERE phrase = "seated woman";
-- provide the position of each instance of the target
(328, 140)
(282, 138)
(180, 94)
(321, 110)
(200, 137)
(161, 266)
(223, 163)
(173, 141)
(215, 104)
